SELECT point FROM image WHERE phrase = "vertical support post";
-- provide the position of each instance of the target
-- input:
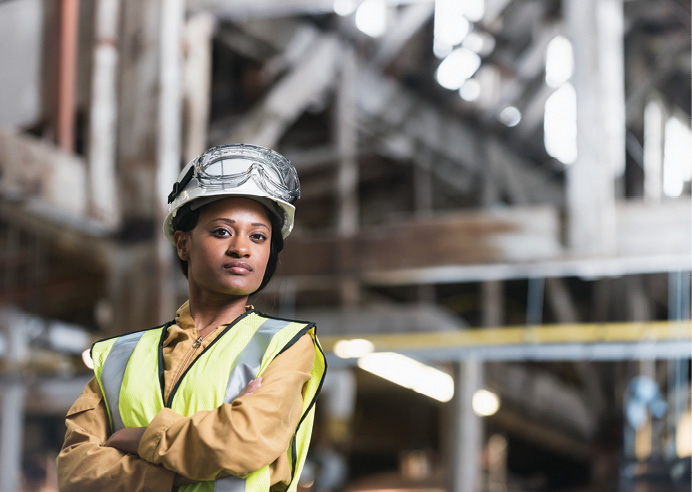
(103, 114)
(493, 303)
(678, 373)
(467, 427)
(138, 110)
(347, 176)
(423, 203)
(654, 125)
(198, 32)
(423, 186)
(141, 273)
(534, 301)
(11, 426)
(467, 439)
(597, 33)
(168, 152)
(13, 392)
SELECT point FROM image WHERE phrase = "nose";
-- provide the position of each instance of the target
(238, 247)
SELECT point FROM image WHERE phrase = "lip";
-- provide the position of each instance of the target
(238, 267)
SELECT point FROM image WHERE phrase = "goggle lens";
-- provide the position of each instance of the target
(230, 166)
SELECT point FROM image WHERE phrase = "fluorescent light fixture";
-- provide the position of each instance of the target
(351, 349)
(479, 42)
(471, 90)
(86, 357)
(450, 25)
(485, 403)
(410, 374)
(474, 9)
(559, 62)
(560, 124)
(459, 66)
(676, 156)
(441, 50)
(510, 116)
(371, 17)
(344, 7)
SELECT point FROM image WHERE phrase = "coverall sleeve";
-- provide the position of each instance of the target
(240, 437)
(84, 463)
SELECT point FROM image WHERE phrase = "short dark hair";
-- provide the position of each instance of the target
(186, 219)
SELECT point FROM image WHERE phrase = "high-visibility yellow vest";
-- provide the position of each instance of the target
(129, 369)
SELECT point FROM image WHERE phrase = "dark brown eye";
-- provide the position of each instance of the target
(221, 232)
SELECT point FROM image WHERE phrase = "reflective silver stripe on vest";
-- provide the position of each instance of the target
(249, 360)
(113, 373)
(246, 368)
(229, 484)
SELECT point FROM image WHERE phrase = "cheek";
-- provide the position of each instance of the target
(263, 260)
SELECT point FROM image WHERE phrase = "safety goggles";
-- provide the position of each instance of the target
(231, 166)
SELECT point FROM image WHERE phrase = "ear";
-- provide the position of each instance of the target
(182, 239)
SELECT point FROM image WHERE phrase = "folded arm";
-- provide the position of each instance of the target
(84, 463)
(240, 437)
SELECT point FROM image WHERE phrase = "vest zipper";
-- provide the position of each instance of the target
(197, 344)
(180, 376)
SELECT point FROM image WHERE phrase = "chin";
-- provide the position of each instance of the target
(239, 290)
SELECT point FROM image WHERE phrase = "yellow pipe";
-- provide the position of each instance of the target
(522, 335)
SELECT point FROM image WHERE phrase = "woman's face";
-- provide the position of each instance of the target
(228, 249)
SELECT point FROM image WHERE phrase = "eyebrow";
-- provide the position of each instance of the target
(231, 221)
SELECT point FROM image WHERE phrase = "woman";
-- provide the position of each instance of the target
(222, 398)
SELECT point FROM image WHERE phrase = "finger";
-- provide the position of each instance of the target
(254, 385)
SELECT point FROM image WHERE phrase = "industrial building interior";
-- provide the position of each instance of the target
(494, 235)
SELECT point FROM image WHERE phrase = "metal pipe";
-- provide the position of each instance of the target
(103, 114)
(67, 73)
(584, 341)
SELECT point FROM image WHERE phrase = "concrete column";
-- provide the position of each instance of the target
(596, 30)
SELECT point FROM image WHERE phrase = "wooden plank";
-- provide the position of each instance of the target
(500, 244)
(464, 238)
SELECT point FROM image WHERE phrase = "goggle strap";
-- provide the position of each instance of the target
(178, 186)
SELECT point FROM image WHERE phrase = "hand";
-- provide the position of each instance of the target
(252, 386)
(126, 440)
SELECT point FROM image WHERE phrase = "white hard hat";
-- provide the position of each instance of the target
(237, 170)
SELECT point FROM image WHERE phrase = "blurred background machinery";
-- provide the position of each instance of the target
(495, 234)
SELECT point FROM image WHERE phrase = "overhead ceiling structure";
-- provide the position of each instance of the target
(538, 180)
